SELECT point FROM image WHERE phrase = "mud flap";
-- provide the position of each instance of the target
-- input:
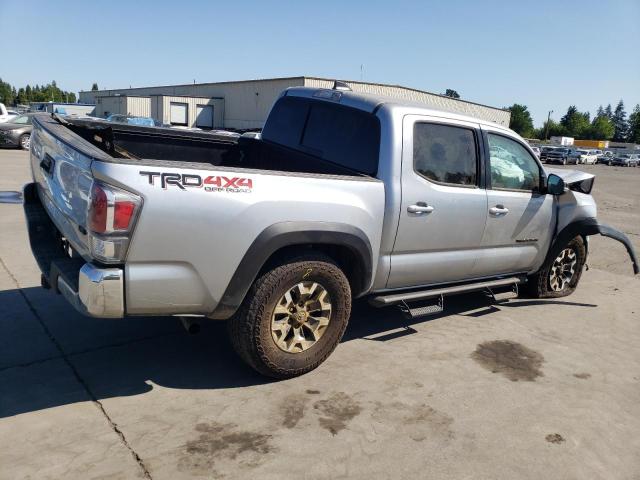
(608, 231)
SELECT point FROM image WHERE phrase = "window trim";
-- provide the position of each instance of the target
(489, 186)
(477, 140)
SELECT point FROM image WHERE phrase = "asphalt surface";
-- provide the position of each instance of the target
(523, 389)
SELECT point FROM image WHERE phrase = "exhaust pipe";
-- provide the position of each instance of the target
(190, 324)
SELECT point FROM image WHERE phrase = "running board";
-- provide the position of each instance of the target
(405, 297)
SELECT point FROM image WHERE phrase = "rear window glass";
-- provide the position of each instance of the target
(338, 134)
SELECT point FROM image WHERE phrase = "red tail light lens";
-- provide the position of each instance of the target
(98, 210)
(123, 214)
(111, 210)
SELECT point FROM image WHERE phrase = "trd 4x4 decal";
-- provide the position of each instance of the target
(212, 183)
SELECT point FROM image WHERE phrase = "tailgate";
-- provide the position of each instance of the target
(61, 168)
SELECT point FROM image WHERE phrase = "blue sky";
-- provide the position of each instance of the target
(544, 54)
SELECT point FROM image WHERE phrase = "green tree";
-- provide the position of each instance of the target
(554, 130)
(608, 112)
(94, 87)
(22, 96)
(451, 93)
(634, 126)
(601, 128)
(575, 123)
(620, 124)
(600, 111)
(6, 94)
(521, 121)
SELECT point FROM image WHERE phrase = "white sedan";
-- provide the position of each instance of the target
(587, 157)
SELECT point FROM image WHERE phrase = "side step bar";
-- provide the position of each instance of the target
(403, 298)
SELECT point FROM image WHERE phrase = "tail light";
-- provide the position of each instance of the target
(110, 220)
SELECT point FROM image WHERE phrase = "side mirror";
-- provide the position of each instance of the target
(555, 184)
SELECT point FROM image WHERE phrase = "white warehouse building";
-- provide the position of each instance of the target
(245, 104)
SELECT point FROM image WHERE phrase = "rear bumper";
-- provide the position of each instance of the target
(92, 290)
(99, 293)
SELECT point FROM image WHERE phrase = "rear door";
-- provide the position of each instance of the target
(520, 220)
(444, 208)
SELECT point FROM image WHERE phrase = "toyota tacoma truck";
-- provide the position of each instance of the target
(341, 196)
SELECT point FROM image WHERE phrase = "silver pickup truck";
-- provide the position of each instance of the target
(341, 196)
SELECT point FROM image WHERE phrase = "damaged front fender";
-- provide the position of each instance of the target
(609, 231)
(591, 226)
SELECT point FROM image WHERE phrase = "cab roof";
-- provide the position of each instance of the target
(372, 102)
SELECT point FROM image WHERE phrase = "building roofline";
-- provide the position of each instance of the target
(413, 90)
(301, 77)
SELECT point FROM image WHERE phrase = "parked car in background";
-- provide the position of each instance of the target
(605, 157)
(131, 120)
(587, 157)
(6, 115)
(625, 160)
(544, 150)
(16, 132)
(561, 155)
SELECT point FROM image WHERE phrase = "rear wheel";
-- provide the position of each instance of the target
(561, 272)
(293, 317)
(25, 141)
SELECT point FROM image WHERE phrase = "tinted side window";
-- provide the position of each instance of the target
(341, 135)
(445, 153)
(512, 166)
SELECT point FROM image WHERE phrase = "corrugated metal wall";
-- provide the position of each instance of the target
(108, 105)
(138, 106)
(163, 103)
(437, 102)
(247, 103)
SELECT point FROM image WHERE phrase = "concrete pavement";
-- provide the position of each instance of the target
(524, 389)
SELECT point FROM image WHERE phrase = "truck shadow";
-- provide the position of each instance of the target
(103, 359)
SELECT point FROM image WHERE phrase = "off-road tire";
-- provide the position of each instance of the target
(538, 284)
(250, 328)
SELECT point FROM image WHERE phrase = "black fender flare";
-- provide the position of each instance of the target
(590, 226)
(286, 234)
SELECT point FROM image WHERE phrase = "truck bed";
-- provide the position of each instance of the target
(202, 209)
(138, 143)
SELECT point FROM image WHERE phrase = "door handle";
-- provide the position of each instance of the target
(420, 208)
(498, 210)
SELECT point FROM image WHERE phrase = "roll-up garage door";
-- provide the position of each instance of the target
(178, 114)
(204, 116)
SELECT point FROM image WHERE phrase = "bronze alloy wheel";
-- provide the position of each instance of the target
(301, 317)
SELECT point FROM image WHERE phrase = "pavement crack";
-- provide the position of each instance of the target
(29, 364)
(76, 374)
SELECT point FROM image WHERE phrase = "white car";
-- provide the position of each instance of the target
(6, 115)
(587, 157)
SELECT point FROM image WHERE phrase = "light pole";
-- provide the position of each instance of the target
(546, 130)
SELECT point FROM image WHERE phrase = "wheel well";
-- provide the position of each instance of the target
(349, 261)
